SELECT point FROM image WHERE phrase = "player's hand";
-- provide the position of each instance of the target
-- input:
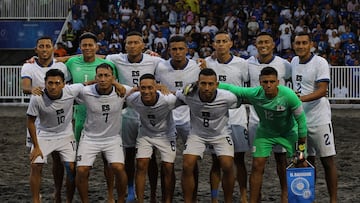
(190, 88)
(119, 89)
(152, 53)
(31, 60)
(163, 89)
(37, 91)
(298, 158)
(35, 153)
(134, 89)
(201, 63)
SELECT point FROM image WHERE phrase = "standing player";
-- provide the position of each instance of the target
(54, 130)
(130, 67)
(234, 70)
(101, 132)
(32, 82)
(157, 130)
(311, 77)
(82, 69)
(282, 122)
(209, 117)
(175, 73)
(265, 46)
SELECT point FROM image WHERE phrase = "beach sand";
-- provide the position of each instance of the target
(14, 165)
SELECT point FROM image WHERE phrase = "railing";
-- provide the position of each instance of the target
(344, 87)
(34, 9)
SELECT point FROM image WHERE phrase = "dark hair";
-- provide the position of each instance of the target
(147, 76)
(177, 38)
(222, 32)
(105, 66)
(264, 34)
(87, 35)
(134, 33)
(303, 34)
(207, 72)
(268, 70)
(54, 73)
(44, 37)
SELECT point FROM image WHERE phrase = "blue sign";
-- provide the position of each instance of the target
(301, 185)
(23, 34)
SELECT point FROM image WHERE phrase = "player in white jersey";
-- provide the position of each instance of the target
(32, 82)
(175, 73)
(130, 67)
(157, 130)
(234, 70)
(311, 77)
(101, 131)
(209, 117)
(265, 46)
(54, 130)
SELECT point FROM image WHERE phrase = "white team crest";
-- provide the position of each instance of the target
(280, 108)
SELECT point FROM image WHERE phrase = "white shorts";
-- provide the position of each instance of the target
(183, 131)
(222, 144)
(87, 152)
(65, 146)
(130, 130)
(320, 141)
(240, 137)
(252, 134)
(165, 145)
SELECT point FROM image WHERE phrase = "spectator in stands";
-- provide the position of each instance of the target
(323, 45)
(300, 27)
(334, 40)
(317, 32)
(139, 14)
(159, 39)
(125, 12)
(351, 5)
(251, 48)
(60, 50)
(209, 28)
(331, 29)
(114, 20)
(84, 12)
(70, 38)
(299, 11)
(346, 36)
(253, 27)
(285, 40)
(286, 24)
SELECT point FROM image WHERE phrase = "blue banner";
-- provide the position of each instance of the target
(23, 34)
(301, 185)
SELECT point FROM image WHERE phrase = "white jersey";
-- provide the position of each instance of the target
(103, 115)
(55, 116)
(156, 120)
(235, 72)
(36, 73)
(209, 119)
(304, 78)
(130, 73)
(176, 80)
(281, 65)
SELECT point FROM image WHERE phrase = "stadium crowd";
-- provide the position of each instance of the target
(333, 24)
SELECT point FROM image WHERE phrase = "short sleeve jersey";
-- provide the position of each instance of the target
(103, 115)
(36, 73)
(209, 119)
(281, 65)
(176, 79)
(129, 73)
(235, 72)
(276, 114)
(55, 116)
(81, 71)
(304, 78)
(156, 120)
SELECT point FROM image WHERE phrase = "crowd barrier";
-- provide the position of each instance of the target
(34, 9)
(344, 87)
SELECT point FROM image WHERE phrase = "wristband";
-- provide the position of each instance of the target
(301, 147)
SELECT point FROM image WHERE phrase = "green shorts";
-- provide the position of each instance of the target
(79, 117)
(263, 145)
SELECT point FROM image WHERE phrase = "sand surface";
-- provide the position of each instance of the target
(14, 165)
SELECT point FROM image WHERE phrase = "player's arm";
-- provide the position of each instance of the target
(28, 89)
(32, 131)
(238, 91)
(321, 90)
